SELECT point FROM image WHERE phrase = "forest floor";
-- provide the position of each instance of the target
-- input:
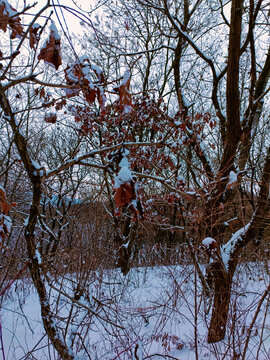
(157, 313)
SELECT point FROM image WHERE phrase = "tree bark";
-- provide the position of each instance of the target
(233, 126)
(220, 276)
(222, 295)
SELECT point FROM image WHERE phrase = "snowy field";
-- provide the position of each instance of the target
(153, 313)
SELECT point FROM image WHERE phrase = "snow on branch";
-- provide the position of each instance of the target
(126, 187)
(228, 249)
(209, 243)
(189, 40)
(93, 153)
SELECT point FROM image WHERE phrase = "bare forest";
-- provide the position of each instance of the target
(134, 179)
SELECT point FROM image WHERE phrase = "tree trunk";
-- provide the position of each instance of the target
(220, 277)
(222, 294)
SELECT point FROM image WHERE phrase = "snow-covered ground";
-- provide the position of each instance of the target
(152, 313)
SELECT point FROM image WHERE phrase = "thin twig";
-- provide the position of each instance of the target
(126, 349)
(254, 319)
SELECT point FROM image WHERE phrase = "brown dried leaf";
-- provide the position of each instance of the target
(124, 95)
(7, 18)
(33, 36)
(42, 93)
(3, 18)
(51, 52)
(124, 194)
(51, 118)
(5, 207)
(89, 95)
(73, 74)
(17, 29)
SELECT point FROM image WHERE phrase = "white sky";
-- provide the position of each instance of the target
(86, 6)
(72, 21)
